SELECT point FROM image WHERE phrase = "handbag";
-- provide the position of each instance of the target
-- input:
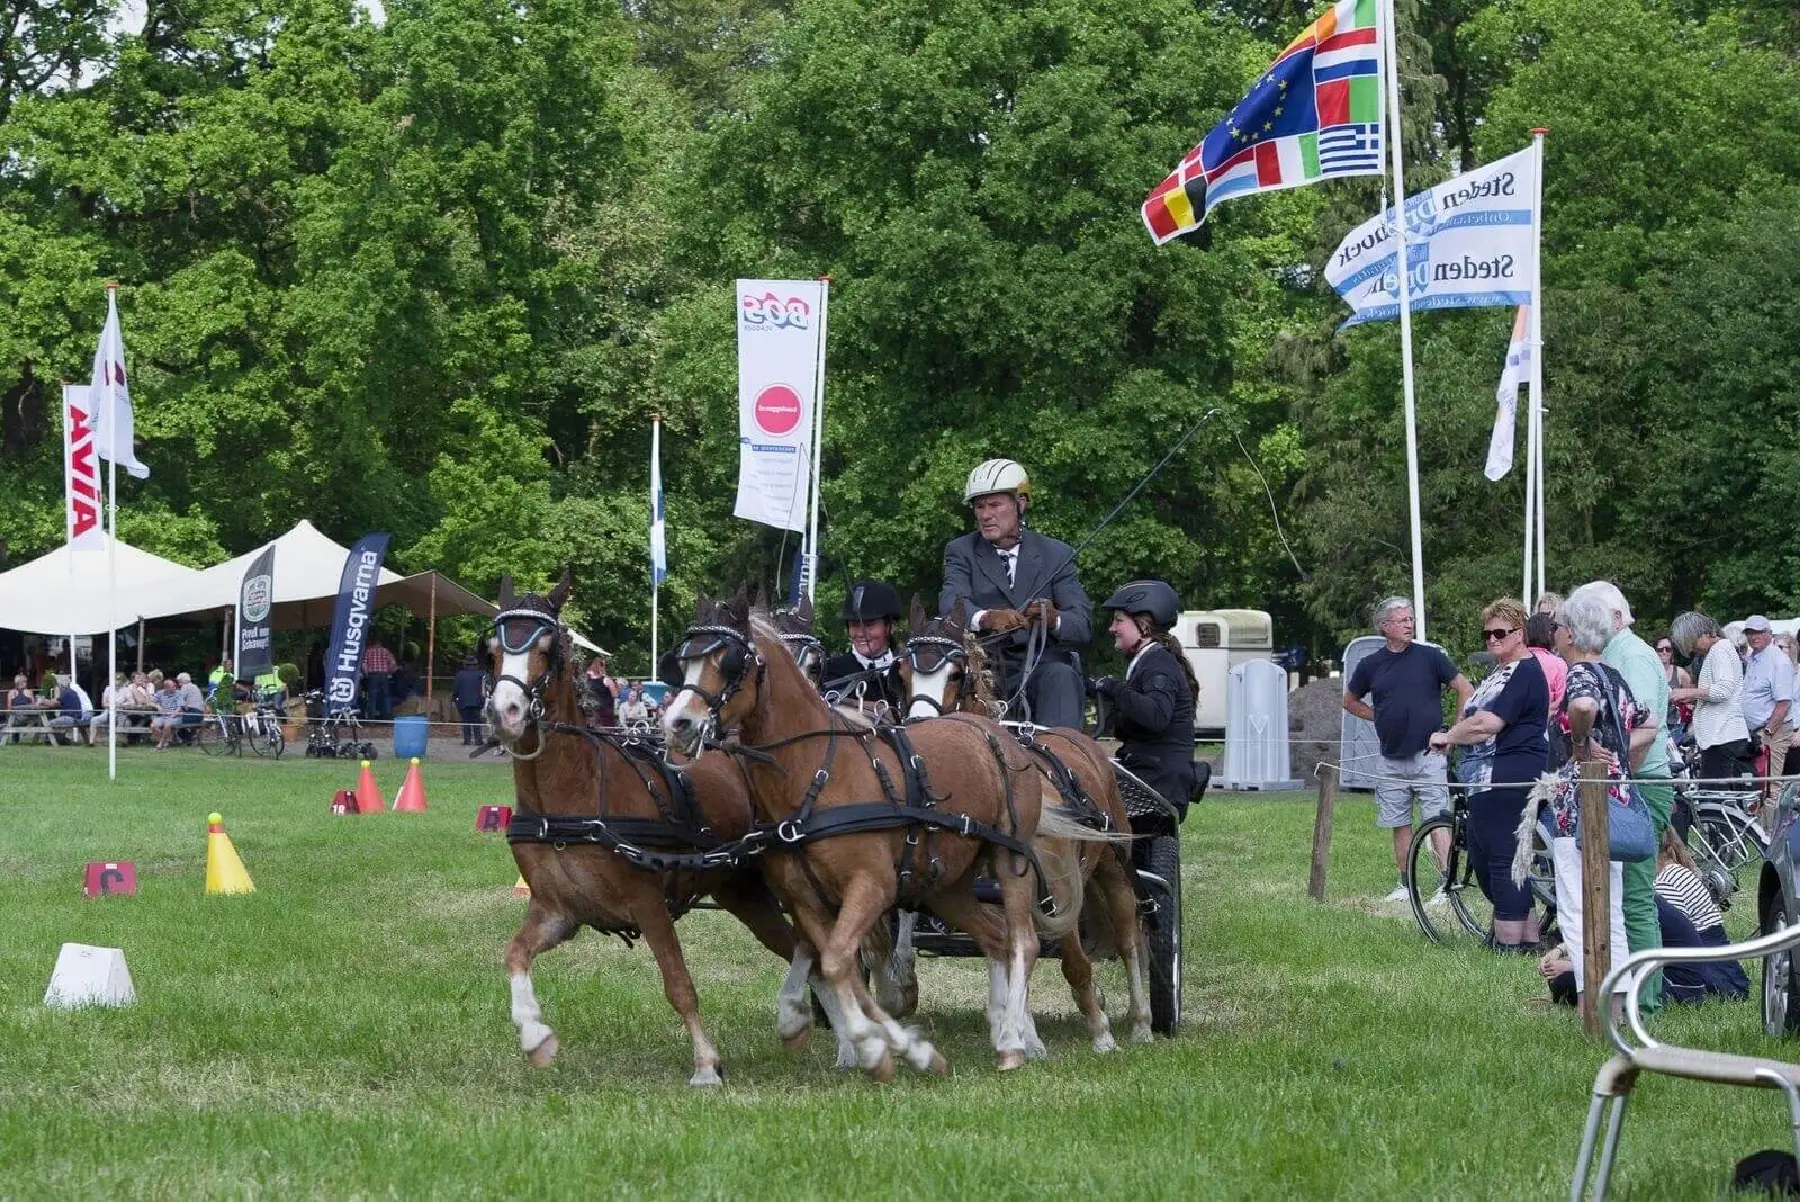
(1631, 834)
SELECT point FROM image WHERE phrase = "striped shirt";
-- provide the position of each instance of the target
(1678, 886)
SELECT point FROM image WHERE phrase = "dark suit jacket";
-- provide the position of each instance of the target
(975, 574)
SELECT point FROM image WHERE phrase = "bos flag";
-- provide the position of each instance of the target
(1314, 114)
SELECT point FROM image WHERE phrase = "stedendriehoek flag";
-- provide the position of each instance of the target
(1314, 114)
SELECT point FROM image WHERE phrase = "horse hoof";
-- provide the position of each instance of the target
(1104, 1043)
(543, 1054)
(798, 1040)
(707, 1076)
(883, 1072)
(1143, 1034)
(1006, 1062)
(939, 1067)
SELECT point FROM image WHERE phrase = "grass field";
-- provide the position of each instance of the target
(343, 1031)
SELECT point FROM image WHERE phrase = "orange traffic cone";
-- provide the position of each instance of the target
(225, 873)
(411, 797)
(368, 794)
(521, 889)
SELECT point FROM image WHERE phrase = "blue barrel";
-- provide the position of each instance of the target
(410, 735)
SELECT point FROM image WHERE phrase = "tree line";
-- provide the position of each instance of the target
(432, 268)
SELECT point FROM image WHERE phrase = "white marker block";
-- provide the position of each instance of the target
(89, 976)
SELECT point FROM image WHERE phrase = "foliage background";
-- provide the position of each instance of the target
(433, 273)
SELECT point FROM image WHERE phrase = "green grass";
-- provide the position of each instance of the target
(343, 1031)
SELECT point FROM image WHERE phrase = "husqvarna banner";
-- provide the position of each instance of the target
(1470, 242)
(256, 621)
(778, 369)
(351, 619)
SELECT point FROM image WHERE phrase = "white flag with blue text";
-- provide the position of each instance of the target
(659, 549)
(1515, 373)
(1470, 242)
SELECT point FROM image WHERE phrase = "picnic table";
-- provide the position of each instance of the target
(33, 722)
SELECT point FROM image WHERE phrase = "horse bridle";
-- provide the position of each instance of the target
(799, 643)
(952, 651)
(547, 623)
(741, 657)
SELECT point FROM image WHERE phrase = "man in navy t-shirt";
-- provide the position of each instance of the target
(1405, 680)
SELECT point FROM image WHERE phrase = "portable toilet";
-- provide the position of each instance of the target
(1215, 641)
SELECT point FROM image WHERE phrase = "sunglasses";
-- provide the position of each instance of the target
(1494, 636)
(1665, 649)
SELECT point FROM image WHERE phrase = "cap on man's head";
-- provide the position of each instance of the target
(1756, 624)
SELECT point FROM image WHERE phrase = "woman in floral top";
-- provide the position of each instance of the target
(1604, 722)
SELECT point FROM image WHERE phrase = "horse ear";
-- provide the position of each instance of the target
(806, 611)
(506, 591)
(560, 593)
(701, 607)
(959, 614)
(739, 606)
(762, 598)
(916, 616)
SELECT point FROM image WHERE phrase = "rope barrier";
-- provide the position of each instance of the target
(1736, 783)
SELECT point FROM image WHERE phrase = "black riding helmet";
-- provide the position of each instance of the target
(870, 599)
(1151, 597)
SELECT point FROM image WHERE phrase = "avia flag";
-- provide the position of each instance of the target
(659, 547)
(1314, 114)
(81, 472)
(114, 436)
(1517, 369)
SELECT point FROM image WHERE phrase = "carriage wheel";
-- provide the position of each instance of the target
(1162, 931)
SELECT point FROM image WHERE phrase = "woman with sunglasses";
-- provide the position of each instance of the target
(1680, 712)
(1503, 727)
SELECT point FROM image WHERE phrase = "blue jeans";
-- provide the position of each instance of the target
(381, 703)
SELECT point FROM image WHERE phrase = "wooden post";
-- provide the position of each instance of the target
(140, 666)
(431, 643)
(1596, 894)
(1328, 781)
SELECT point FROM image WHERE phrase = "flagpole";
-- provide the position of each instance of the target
(1391, 60)
(1537, 340)
(812, 533)
(68, 540)
(1525, 594)
(112, 541)
(655, 485)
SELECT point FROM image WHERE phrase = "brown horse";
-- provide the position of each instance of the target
(846, 846)
(580, 872)
(945, 672)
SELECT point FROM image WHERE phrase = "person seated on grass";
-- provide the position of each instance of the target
(1689, 917)
(168, 714)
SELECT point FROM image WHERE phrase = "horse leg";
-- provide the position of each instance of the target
(1121, 909)
(1018, 893)
(541, 931)
(652, 918)
(793, 1006)
(1078, 971)
(896, 976)
(863, 902)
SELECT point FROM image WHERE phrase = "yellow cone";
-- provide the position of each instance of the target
(225, 873)
(521, 889)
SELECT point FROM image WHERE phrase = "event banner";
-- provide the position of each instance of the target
(1470, 242)
(778, 369)
(81, 473)
(350, 620)
(256, 624)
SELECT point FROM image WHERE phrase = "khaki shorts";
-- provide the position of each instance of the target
(1422, 774)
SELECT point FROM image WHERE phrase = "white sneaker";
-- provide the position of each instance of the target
(1398, 895)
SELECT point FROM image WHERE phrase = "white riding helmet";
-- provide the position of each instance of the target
(998, 475)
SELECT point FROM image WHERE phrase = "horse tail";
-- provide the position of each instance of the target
(1061, 822)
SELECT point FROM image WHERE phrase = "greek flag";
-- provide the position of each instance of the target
(659, 549)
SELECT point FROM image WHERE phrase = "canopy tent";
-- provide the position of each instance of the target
(64, 592)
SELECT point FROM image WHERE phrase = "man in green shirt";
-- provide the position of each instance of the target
(1635, 660)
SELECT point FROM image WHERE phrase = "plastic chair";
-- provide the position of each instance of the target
(1617, 1077)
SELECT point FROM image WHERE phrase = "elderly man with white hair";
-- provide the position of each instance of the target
(1635, 660)
(1768, 688)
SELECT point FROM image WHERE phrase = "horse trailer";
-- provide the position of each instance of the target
(1215, 641)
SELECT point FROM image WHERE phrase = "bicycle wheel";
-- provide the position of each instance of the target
(1732, 839)
(213, 737)
(265, 736)
(1435, 882)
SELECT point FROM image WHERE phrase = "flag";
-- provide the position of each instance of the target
(1470, 241)
(114, 438)
(81, 474)
(1314, 114)
(350, 619)
(779, 376)
(1518, 366)
(659, 549)
(256, 625)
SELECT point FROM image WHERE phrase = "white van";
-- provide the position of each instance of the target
(1215, 641)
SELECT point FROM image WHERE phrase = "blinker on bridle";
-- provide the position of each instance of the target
(734, 665)
(546, 623)
(939, 650)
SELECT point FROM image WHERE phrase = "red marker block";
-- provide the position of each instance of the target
(108, 877)
(343, 802)
(493, 818)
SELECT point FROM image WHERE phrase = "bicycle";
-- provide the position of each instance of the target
(262, 726)
(220, 734)
(1446, 899)
(1723, 832)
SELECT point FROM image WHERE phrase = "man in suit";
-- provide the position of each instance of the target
(1012, 579)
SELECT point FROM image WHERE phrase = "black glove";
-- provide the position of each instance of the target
(1107, 687)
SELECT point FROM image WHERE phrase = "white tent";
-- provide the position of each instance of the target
(308, 566)
(64, 591)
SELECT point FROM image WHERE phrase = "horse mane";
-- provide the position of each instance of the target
(980, 675)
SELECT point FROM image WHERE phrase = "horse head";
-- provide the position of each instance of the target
(529, 652)
(796, 627)
(938, 668)
(722, 672)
